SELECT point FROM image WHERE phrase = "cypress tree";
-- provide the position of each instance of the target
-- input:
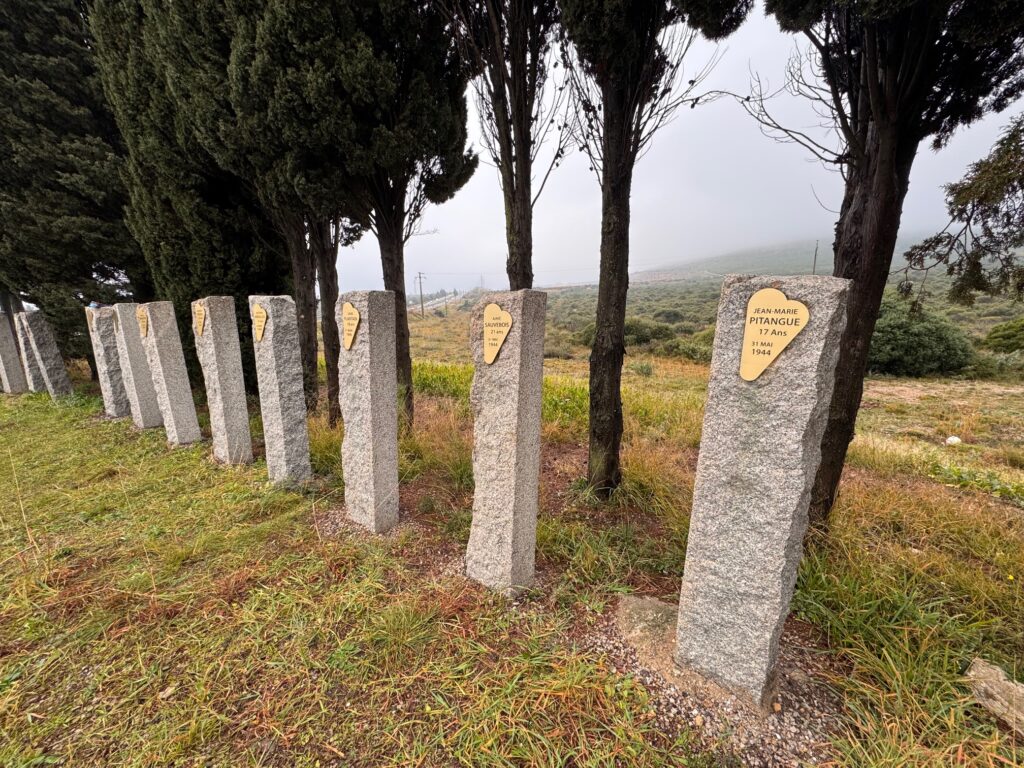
(201, 228)
(890, 75)
(404, 85)
(63, 239)
(628, 55)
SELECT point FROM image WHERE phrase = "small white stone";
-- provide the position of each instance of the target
(953, 440)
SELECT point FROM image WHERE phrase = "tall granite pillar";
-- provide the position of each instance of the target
(159, 331)
(507, 336)
(12, 373)
(34, 376)
(108, 364)
(43, 346)
(776, 347)
(282, 399)
(368, 387)
(138, 381)
(215, 327)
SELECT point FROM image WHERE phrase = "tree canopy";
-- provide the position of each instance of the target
(201, 227)
(63, 239)
(981, 246)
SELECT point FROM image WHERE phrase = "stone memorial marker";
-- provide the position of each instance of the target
(507, 337)
(776, 347)
(138, 381)
(43, 347)
(368, 386)
(159, 331)
(215, 327)
(12, 374)
(282, 399)
(33, 375)
(108, 364)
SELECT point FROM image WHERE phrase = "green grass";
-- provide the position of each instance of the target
(159, 609)
(156, 608)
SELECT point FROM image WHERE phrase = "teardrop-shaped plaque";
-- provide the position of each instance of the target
(259, 321)
(497, 324)
(349, 324)
(143, 317)
(199, 318)
(772, 322)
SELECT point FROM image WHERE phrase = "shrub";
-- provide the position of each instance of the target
(911, 341)
(637, 329)
(1006, 337)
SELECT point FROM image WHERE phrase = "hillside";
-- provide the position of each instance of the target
(685, 296)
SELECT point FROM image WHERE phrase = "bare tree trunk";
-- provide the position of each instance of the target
(604, 472)
(519, 232)
(325, 249)
(865, 241)
(391, 238)
(303, 289)
(518, 157)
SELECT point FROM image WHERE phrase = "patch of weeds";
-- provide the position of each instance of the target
(987, 482)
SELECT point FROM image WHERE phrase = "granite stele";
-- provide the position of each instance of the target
(138, 382)
(42, 347)
(776, 346)
(507, 337)
(369, 407)
(215, 327)
(12, 373)
(275, 336)
(103, 335)
(33, 375)
(159, 331)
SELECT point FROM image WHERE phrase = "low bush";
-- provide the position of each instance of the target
(911, 341)
(1006, 337)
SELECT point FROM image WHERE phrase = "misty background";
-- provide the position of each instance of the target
(711, 183)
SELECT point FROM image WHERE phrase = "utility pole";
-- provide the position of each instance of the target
(419, 276)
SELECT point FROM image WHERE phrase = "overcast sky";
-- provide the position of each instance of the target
(711, 183)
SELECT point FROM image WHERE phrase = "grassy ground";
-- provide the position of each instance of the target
(159, 610)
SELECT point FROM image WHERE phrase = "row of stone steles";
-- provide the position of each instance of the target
(29, 358)
(142, 375)
(760, 445)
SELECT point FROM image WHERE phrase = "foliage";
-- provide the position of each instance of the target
(1006, 337)
(910, 341)
(510, 42)
(637, 331)
(63, 239)
(202, 230)
(980, 247)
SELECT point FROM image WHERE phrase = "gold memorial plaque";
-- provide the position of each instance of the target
(773, 321)
(199, 318)
(497, 324)
(143, 317)
(259, 321)
(349, 323)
